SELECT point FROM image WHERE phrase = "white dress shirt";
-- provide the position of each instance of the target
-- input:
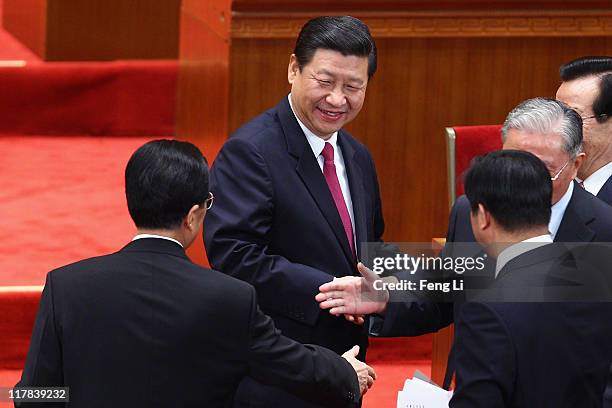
(317, 144)
(595, 181)
(557, 211)
(140, 236)
(519, 248)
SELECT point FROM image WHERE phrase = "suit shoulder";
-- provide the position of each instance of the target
(601, 211)
(461, 207)
(462, 202)
(258, 130)
(83, 265)
(357, 145)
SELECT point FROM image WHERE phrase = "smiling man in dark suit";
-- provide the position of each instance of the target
(297, 194)
(146, 327)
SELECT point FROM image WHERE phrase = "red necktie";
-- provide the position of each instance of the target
(329, 171)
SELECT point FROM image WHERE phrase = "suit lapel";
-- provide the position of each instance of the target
(574, 224)
(355, 179)
(605, 193)
(309, 171)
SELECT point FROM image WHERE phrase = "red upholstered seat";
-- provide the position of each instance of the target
(463, 144)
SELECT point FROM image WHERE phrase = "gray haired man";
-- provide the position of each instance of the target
(552, 131)
(548, 129)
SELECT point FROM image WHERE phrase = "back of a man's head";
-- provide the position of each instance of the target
(344, 34)
(163, 180)
(593, 66)
(514, 186)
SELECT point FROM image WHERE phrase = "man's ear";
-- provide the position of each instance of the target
(578, 161)
(292, 69)
(192, 220)
(483, 217)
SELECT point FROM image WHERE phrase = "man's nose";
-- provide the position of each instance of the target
(336, 98)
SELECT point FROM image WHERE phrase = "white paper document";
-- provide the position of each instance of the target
(418, 393)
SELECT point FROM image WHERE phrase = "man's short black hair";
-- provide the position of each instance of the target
(514, 186)
(163, 180)
(345, 34)
(600, 66)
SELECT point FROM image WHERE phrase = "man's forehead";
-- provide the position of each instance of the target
(579, 91)
(534, 142)
(330, 62)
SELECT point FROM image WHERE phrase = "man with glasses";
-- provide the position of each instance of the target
(146, 327)
(553, 132)
(587, 88)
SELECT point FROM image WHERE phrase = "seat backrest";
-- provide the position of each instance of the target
(463, 144)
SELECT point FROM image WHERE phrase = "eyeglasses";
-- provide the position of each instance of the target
(209, 201)
(556, 176)
(603, 115)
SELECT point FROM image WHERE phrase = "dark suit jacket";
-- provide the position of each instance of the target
(605, 194)
(586, 219)
(532, 354)
(275, 225)
(146, 327)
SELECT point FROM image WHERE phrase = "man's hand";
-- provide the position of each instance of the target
(365, 374)
(353, 296)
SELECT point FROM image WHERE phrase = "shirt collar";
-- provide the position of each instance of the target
(140, 236)
(316, 143)
(519, 248)
(595, 181)
(558, 209)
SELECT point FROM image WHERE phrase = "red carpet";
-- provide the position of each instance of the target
(62, 200)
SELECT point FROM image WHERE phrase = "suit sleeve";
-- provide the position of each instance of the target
(484, 358)
(236, 235)
(312, 372)
(43, 366)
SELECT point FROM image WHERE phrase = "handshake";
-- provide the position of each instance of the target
(354, 297)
